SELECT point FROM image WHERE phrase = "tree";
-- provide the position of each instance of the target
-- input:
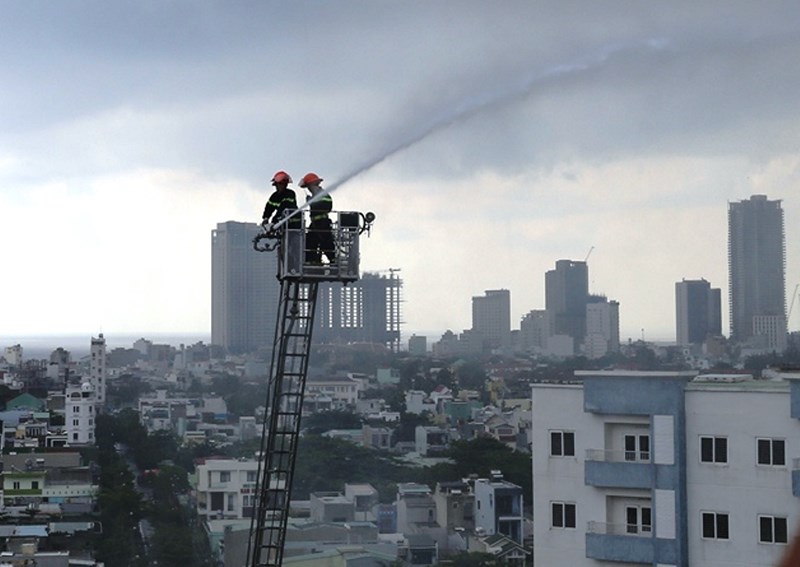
(482, 455)
(325, 464)
(323, 421)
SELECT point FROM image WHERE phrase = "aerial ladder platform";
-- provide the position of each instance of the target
(290, 354)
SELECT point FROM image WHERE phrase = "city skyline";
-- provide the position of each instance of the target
(493, 145)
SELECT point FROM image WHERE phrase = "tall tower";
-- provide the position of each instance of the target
(566, 296)
(491, 317)
(97, 369)
(756, 270)
(534, 328)
(602, 327)
(367, 310)
(244, 290)
(698, 311)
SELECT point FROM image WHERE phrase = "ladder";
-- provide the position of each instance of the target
(282, 423)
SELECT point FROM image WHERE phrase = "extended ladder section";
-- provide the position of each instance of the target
(290, 353)
(282, 424)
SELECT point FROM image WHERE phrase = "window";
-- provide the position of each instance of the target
(562, 443)
(15, 485)
(225, 476)
(76, 409)
(713, 450)
(771, 452)
(76, 422)
(638, 519)
(251, 476)
(35, 484)
(637, 447)
(715, 525)
(772, 530)
(563, 515)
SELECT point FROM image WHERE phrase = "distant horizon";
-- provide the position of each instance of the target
(78, 343)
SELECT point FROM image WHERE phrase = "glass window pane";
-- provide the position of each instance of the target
(569, 444)
(706, 450)
(632, 519)
(722, 526)
(558, 515)
(781, 532)
(721, 450)
(778, 452)
(555, 443)
(708, 525)
(569, 513)
(646, 516)
(764, 452)
(630, 447)
(765, 529)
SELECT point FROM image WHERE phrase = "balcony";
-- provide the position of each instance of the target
(618, 469)
(620, 542)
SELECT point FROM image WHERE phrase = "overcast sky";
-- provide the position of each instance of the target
(514, 133)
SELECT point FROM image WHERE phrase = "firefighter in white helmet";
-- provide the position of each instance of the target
(319, 239)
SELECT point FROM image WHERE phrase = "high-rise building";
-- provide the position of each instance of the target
(566, 296)
(97, 369)
(418, 345)
(365, 311)
(534, 329)
(602, 327)
(698, 311)
(491, 317)
(244, 290)
(756, 268)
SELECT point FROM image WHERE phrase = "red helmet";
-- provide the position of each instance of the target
(310, 179)
(281, 178)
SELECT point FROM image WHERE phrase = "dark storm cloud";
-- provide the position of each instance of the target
(251, 85)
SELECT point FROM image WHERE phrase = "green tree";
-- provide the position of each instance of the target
(325, 464)
(323, 421)
(482, 455)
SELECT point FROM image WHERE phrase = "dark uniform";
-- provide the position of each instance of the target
(319, 239)
(281, 202)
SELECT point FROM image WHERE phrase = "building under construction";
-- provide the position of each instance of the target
(365, 311)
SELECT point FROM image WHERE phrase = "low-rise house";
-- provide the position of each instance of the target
(226, 488)
(377, 437)
(343, 390)
(431, 440)
(365, 500)
(498, 507)
(332, 507)
(418, 402)
(455, 505)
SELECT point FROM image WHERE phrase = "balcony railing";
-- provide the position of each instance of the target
(602, 528)
(601, 455)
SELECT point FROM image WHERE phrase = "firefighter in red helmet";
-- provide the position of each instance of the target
(319, 239)
(281, 203)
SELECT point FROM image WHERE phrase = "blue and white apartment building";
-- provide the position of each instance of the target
(665, 468)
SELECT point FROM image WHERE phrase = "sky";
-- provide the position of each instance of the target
(489, 138)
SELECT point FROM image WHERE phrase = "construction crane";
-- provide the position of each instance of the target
(291, 349)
